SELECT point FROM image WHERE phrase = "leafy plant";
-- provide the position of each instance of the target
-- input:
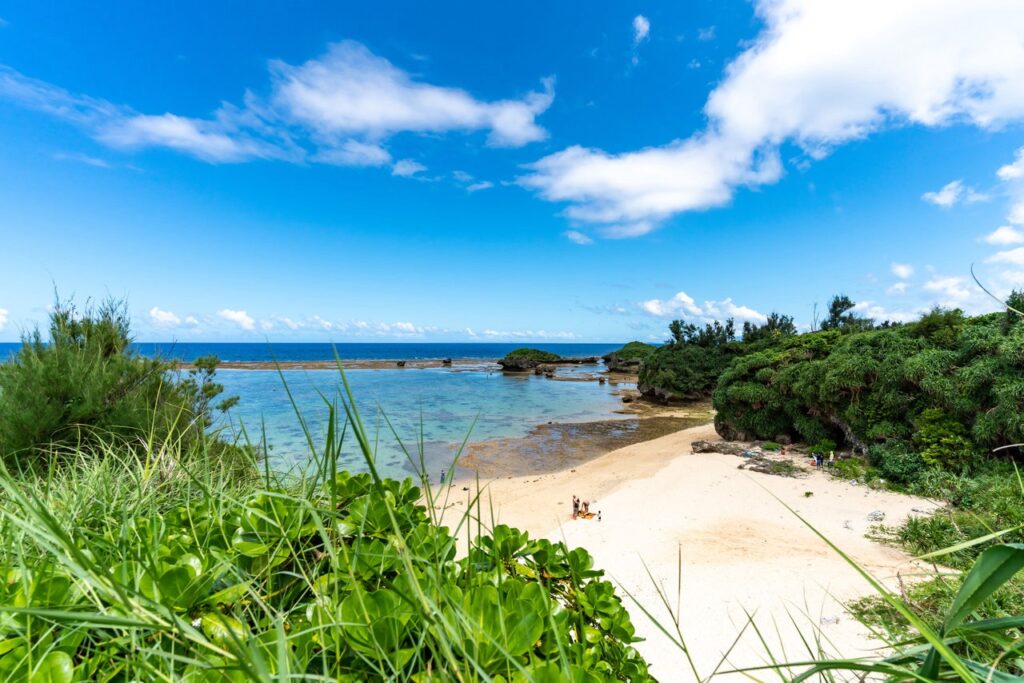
(116, 570)
(86, 384)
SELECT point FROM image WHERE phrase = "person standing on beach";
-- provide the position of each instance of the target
(575, 507)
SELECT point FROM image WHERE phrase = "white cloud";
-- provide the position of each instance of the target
(578, 237)
(952, 193)
(1005, 235)
(897, 288)
(406, 327)
(240, 318)
(727, 309)
(641, 29)
(902, 270)
(191, 321)
(1016, 215)
(1014, 170)
(339, 108)
(952, 291)
(682, 305)
(204, 140)
(947, 196)
(407, 167)
(82, 159)
(352, 92)
(1014, 256)
(322, 324)
(706, 34)
(162, 318)
(878, 312)
(818, 75)
(354, 153)
(1013, 278)
(527, 334)
(482, 185)
(3, 317)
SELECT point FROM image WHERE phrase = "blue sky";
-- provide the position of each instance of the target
(401, 171)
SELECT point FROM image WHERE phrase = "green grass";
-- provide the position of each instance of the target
(170, 567)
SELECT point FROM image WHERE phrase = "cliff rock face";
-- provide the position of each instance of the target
(616, 363)
(730, 433)
(518, 364)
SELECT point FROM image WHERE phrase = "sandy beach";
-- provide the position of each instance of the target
(742, 550)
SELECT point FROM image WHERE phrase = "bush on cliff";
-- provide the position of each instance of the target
(630, 357)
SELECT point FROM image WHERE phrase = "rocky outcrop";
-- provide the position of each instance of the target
(524, 364)
(730, 433)
(726, 447)
(615, 363)
(658, 394)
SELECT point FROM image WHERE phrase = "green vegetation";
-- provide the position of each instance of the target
(949, 386)
(630, 358)
(115, 572)
(139, 553)
(532, 355)
(84, 385)
(136, 544)
(688, 366)
(634, 350)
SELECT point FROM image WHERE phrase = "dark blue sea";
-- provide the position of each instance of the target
(283, 352)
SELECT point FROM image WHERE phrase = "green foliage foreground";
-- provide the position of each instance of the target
(126, 569)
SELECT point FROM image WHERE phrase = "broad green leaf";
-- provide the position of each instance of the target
(992, 569)
(55, 667)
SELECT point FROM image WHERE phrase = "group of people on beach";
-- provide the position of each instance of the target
(582, 509)
(819, 460)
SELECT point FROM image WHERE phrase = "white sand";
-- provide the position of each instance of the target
(741, 548)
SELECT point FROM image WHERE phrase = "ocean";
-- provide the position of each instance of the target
(401, 408)
(285, 352)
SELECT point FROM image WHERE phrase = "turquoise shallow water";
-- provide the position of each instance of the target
(441, 402)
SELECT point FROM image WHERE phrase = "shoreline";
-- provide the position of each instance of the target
(666, 508)
(383, 364)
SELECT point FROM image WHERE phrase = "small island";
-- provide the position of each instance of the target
(525, 359)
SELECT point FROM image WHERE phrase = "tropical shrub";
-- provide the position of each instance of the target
(896, 463)
(949, 385)
(85, 383)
